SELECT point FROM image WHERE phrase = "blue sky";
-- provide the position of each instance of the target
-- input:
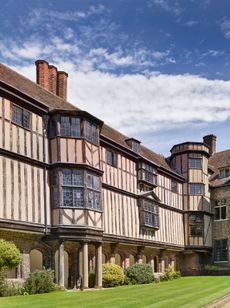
(157, 70)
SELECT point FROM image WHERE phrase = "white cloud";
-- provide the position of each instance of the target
(225, 27)
(167, 5)
(191, 23)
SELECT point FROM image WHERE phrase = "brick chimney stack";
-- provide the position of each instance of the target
(210, 141)
(42, 73)
(62, 84)
(51, 79)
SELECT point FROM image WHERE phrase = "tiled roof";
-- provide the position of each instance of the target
(30, 88)
(118, 137)
(52, 101)
(216, 161)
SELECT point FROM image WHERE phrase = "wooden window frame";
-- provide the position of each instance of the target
(196, 224)
(90, 138)
(195, 166)
(113, 163)
(153, 213)
(23, 110)
(195, 194)
(70, 128)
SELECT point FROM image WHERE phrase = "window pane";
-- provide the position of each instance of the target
(96, 182)
(90, 198)
(55, 197)
(94, 134)
(195, 163)
(75, 127)
(87, 130)
(97, 201)
(17, 115)
(195, 189)
(89, 180)
(26, 119)
(223, 212)
(66, 177)
(77, 178)
(217, 213)
(221, 250)
(53, 128)
(78, 197)
(67, 197)
(65, 126)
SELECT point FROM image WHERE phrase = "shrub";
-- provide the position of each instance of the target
(112, 275)
(92, 279)
(211, 268)
(9, 288)
(170, 274)
(39, 281)
(9, 255)
(139, 274)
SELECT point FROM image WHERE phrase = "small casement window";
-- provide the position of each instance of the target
(91, 132)
(220, 209)
(53, 128)
(72, 188)
(196, 189)
(136, 147)
(21, 117)
(70, 126)
(111, 158)
(147, 173)
(221, 250)
(174, 186)
(195, 163)
(150, 212)
(224, 173)
(93, 184)
(196, 225)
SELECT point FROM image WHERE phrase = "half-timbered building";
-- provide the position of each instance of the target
(76, 193)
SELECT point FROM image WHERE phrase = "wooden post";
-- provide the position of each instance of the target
(85, 266)
(99, 265)
(61, 264)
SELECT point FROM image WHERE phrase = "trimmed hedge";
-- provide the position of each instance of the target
(112, 275)
(139, 274)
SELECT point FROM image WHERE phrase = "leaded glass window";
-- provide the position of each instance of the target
(72, 188)
(21, 116)
(93, 189)
(91, 132)
(150, 214)
(221, 250)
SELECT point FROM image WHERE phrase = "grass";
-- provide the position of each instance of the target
(185, 292)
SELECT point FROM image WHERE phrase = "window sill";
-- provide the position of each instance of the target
(21, 126)
(77, 208)
(219, 220)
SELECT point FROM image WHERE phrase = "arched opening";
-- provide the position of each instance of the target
(117, 259)
(66, 267)
(131, 260)
(36, 260)
(155, 264)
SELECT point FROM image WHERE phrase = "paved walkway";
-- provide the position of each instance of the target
(224, 302)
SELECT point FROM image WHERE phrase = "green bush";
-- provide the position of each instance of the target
(170, 274)
(139, 274)
(9, 255)
(112, 275)
(92, 279)
(211, 268)
(9, 288)
(39, 281)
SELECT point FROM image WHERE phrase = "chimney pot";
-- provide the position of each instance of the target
(210, 141)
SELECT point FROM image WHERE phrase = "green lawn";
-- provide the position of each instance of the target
(185, 292)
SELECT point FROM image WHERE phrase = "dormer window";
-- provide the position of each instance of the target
(134, 145)
(224, 173)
